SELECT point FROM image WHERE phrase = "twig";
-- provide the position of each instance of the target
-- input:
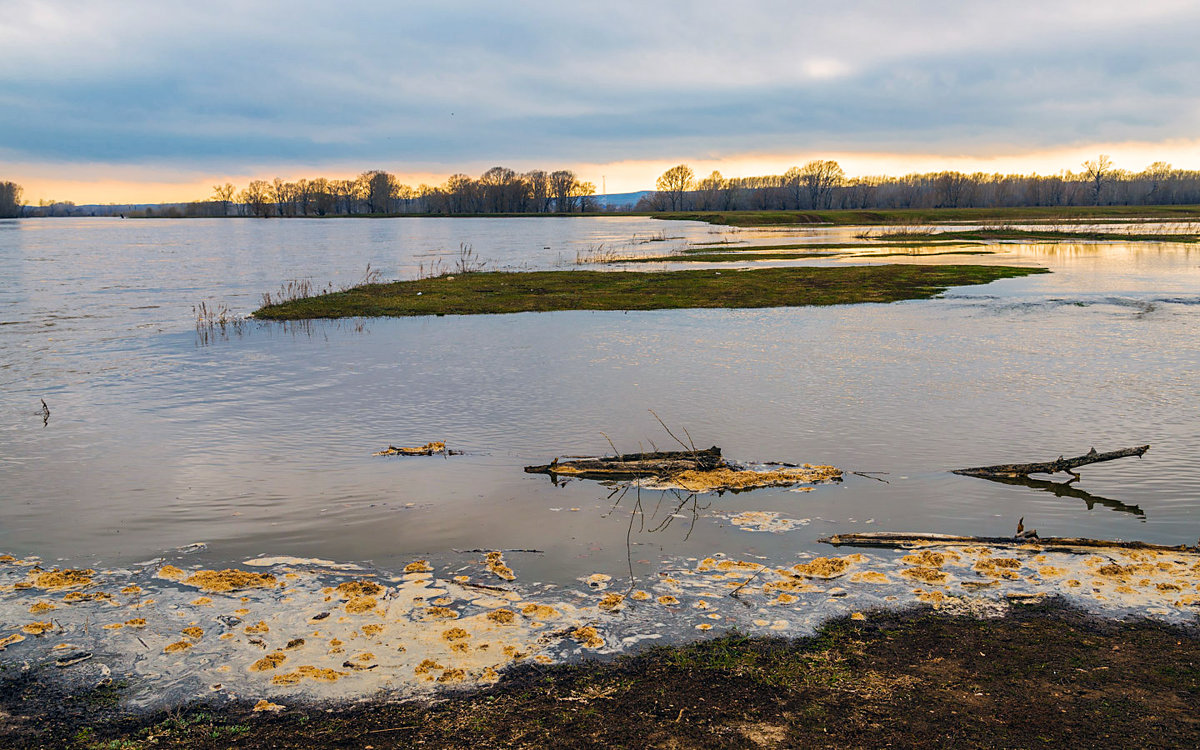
(668, 429)
(392, 729)
(734, 593)
(610, 442)
(485, 587)
(868, 474)
(477, 551)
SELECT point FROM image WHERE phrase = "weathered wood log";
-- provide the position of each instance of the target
(907, 540)
(655, 464)
(1050, 467)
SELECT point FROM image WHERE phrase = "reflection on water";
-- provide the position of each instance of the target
(258, 439)
(1067, 489)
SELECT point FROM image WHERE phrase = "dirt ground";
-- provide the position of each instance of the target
(1044, 676)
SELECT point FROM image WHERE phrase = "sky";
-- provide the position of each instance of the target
(136, 101)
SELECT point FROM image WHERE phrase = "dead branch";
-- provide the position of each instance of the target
(629, 465)
(1051, 467)
(908, 540)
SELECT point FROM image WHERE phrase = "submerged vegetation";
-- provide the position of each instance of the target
(543, 291)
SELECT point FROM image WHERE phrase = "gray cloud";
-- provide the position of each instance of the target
(226, 85)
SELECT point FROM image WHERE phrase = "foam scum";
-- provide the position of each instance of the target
(295, 629)
(300, 629)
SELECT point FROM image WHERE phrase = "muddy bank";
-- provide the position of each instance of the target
(1044, 674)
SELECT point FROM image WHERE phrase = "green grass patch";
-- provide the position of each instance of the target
(747, 255)
(544, 291)
(937, 215)
(1053, 235)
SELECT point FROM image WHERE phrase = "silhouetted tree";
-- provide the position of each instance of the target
(675, 183)
(1098, 172)
(256, 196)
(10, 200)
(223, 194)
(819, 178)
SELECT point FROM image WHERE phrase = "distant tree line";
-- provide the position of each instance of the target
(499, 190)
(822, 184)
(10, 200)
(818, 185)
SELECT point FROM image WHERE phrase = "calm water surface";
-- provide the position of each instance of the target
(259, 440)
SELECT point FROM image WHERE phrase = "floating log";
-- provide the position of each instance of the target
(630, 465)
(1051, 467)
(905, 540)
(429, 449)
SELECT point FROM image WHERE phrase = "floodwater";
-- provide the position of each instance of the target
(256, 438)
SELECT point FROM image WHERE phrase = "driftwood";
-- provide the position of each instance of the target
(1050, 467)
(907, 540)
(429, 449)
(631, 465)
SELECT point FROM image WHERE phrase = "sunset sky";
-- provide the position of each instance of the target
(157, 101)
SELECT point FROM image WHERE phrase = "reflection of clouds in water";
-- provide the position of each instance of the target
(262, 442)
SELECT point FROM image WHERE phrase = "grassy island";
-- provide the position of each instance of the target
(544, 291)
(1024, 214)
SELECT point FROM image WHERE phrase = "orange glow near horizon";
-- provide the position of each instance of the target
(98, 183)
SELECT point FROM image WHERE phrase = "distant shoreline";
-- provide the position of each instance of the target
(835, 217)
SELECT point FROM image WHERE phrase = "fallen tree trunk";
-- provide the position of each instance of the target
(908, 540)
(1050, 467)
(656, 464)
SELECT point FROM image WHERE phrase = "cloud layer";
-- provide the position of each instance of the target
(224, 86)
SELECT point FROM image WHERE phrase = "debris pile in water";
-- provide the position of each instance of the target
(729, 479)
(692, 471)
(429, 449)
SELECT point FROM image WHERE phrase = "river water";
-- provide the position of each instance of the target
(258, 438)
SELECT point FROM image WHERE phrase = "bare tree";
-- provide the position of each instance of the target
(675, 183)
(376, 188)
(223, 194)
(462, 194)
(563, 184)
(1156, 177)
(257, 197)
(710, 189)
(1098, 173)
(539, 190)
(10, 200)
(819, 178)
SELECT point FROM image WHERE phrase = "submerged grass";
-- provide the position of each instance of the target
(930, 215)
(543, 291)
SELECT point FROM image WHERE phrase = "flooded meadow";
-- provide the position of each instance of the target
(199, 504)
